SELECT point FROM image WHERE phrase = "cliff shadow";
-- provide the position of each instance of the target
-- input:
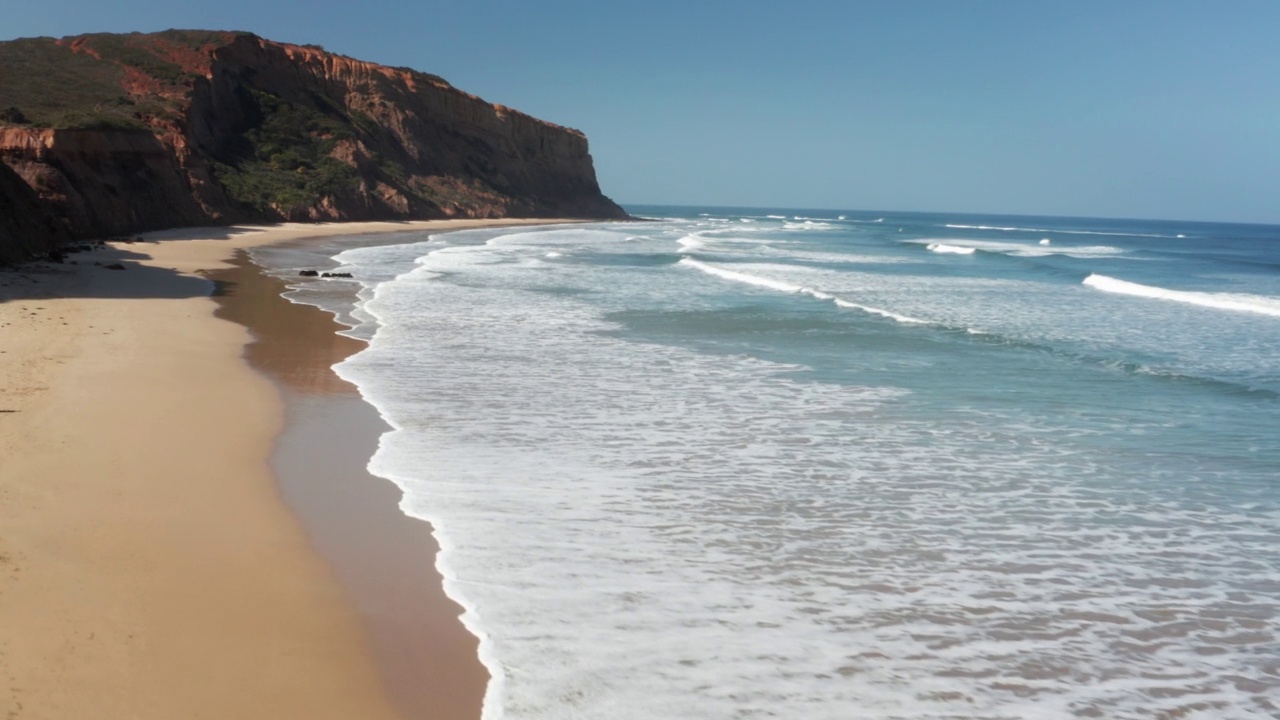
(200, 232)
(106, 272)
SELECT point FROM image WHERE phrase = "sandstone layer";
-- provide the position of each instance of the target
(119, 134)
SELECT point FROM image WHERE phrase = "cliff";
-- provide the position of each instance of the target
(26, 228)
(119, 134)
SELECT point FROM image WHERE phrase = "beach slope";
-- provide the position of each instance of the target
(148, 565)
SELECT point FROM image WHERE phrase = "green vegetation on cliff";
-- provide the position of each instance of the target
(286, 161)
(118, 134)
(83, 82)
(49, 85)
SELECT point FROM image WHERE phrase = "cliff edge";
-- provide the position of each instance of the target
(118, 134)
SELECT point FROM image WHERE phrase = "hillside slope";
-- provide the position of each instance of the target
(126, 133)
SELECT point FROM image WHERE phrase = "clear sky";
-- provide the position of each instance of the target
(1128, 108)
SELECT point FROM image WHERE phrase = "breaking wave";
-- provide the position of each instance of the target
(1060, 232)
(1016, 249)
(953, 249)
(790, 288)
(1258, 304)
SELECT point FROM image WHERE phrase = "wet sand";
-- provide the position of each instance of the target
(149, 564)
(384, 559)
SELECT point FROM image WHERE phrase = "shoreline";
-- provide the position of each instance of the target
(383, 558)
(151, 562)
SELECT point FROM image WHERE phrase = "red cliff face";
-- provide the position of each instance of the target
(108, 182)
(236, 128)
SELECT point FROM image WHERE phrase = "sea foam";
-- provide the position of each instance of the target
(1220, 301)
(953, 249)
(786, 287)
(1041, 248)
(645, 517)
(1060, 231)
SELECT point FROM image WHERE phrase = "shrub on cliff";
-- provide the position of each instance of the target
(13, 115)
(209, 127)
(285, 161)
(80, 82)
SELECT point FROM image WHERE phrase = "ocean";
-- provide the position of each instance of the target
(741, 463)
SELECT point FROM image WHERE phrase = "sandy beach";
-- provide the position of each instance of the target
(168, 545)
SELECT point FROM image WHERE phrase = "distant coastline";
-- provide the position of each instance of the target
(109, 135)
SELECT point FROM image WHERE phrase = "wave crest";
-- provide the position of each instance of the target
(786, 287)
(1258, 304)
(952, 249)
(1060, 232)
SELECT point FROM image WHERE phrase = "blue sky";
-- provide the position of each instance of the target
(1150, 109)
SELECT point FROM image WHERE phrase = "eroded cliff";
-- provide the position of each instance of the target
(26, 228)
(125, 133)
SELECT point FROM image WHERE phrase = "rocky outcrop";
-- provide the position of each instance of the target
(27, 230)
(106, 182)
(191, 128)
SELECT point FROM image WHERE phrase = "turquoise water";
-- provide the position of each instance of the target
(832, 464)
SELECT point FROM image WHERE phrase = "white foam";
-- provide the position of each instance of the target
(953, 249)
(1222, 301)
(882, 313)
(692, 243)
(1015, 249)
(642, 530)
(807, 225)
(741, 277)
(1061, 232)
(782, 286)
(982, 227)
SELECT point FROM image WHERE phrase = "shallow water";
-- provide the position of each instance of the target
(787, 463)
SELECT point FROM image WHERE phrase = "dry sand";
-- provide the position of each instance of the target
(148, 565)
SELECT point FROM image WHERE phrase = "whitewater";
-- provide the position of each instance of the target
(731, 463)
